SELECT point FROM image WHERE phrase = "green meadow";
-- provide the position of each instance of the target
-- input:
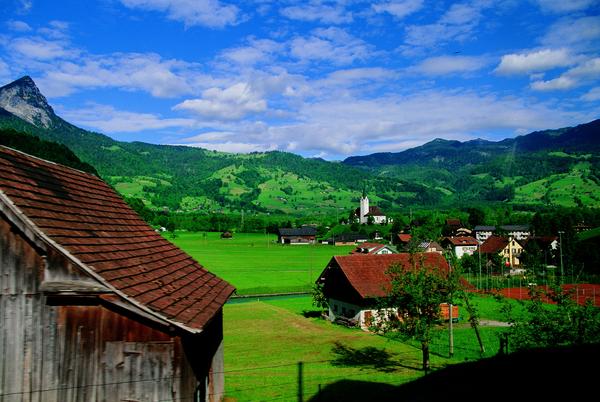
(255, 264)
(266, 337)
(264, 341)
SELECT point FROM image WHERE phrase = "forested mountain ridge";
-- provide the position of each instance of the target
(548, 167)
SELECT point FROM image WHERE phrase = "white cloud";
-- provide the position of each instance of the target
(565, 6)
(127, 71)
(457, 24)
(232, 103)
(318, 12)
(398, 8)
(332, 45)
(445, 65)
(107, 119)
(201, 141)
(343, 126)
(535, 61)
(581, 33)
(592, 95)
(208, 13)
(18, 26)
(41, 49)
(560, 83)
(24, 6)
(257, 51)
(588, 71)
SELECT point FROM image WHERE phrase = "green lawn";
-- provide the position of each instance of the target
(265, 340)
(256, 264)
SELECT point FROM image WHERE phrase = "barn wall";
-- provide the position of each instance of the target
(79, 353)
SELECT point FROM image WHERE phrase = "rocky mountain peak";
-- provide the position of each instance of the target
(23, 99)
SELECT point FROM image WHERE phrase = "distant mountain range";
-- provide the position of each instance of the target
(545, 167)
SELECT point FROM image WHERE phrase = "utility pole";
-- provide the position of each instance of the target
(450, 330)
(560, 232)
(479, 252)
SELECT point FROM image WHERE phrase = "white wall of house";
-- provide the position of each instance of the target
(459, 251)
(483, 235)
(339, 308)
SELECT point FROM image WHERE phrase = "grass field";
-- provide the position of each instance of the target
(265, 340)
(256, 264)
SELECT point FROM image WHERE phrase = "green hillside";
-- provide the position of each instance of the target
(553, 167)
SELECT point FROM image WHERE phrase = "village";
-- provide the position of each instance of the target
(97, 305)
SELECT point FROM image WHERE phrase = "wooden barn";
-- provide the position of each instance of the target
(94, 304)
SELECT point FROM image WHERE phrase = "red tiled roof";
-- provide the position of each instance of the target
(494, 244)
(404, 237)
(462, 240)
(88, 219)
(367, 273)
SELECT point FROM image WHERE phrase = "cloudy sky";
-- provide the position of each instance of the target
(319, 78)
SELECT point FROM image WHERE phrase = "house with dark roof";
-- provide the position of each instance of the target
(347, 239)
(353, 283)
(302, 235)
(94, 304)
(482, 232)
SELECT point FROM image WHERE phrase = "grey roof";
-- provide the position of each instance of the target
(511, 228)
(481, 228)
(303, 231)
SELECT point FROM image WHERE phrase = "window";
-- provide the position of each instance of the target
(335, 308)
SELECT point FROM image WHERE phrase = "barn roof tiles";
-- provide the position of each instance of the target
(90, 223)
(367, 273)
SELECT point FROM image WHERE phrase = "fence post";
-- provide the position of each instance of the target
(300, 396)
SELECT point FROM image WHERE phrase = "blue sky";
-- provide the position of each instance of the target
(323, 79)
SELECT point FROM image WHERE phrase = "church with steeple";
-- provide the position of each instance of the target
(366, 211)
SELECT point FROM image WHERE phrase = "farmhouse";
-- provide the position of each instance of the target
(352, 283)
(483, 232)
(508, 248)
(373, 248)
(461, 245)
(303, 235)
(347, 239)
(94, 304)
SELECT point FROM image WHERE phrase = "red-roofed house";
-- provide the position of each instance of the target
(352, 283)
(403, 240)
(94, 304)
(373, 248)
(461, 245)
(509, 249)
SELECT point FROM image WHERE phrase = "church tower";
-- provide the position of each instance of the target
(364, 206)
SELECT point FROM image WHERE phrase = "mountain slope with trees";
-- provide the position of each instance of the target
(554, 167)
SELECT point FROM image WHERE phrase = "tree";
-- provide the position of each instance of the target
(562, 322)
(412, 307)
(319, 299)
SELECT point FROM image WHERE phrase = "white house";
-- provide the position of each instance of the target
(353, 283)
(461, 245)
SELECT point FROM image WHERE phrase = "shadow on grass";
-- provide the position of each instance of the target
(369, 357)
(557, 374)
(311, 313)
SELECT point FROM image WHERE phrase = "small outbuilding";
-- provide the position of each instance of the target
(302, 235)
(95, 305)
